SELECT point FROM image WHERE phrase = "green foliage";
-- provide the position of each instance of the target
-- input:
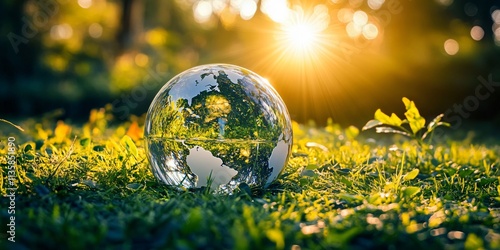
(393, 124)
(338, 191)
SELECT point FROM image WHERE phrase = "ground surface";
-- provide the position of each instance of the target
(339, 190)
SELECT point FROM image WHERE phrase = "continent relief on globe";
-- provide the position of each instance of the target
(206, 166)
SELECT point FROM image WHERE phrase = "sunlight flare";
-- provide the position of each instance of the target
(301, 34)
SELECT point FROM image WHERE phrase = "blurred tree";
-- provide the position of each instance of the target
(131, 24)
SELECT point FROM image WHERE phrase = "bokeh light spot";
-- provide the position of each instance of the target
(218, 6)
(202, 11)
(345, 15)
(370, 31)
(375, 4)
(95, 30)
(61, 31)
(85, 3)
(496, 16)
(248, 9)
(141, 60)
(353, 30)
(445, 2)
(477, 33)
(360, 18)
(496, 33)
(157, 37)
(277, 10)
(451, 47)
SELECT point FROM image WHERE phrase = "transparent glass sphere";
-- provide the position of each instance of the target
(217, 126)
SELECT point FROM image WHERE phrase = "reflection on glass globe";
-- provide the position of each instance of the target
(217, 126)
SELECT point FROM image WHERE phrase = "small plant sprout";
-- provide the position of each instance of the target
(416, 123)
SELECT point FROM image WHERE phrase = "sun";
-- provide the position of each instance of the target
(300, 34)
(301, 37)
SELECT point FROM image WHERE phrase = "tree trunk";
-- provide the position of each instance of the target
(131, 24)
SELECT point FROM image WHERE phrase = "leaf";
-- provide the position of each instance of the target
(350, 197)
(134, 186)
(411, 175)
(389, 130)
(346, 181)
(85, 142)
(309, 173)
(311, 167)
(407, 102)
(434, 123)
(483, 181)
(392, 120)
(371, 123)
(27, 148)
(245, 189)
(129, 145)
(276, 236)
(412, 114)
(395, 120)
(28, 157)
(90, 183)
(382, 117)
(99, 148)
(410, 191)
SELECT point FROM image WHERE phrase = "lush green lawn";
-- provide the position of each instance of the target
(339, 190)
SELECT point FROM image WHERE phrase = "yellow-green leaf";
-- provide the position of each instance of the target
(395, 120)
(382, 117)
(412, 114)
(411, 175)
(392, 120)
(410, 191)
(276, 236)
(129, 145)
(407, 102)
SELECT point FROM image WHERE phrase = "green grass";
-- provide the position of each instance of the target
(89, 187)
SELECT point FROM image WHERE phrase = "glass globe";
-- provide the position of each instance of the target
(217, 126)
